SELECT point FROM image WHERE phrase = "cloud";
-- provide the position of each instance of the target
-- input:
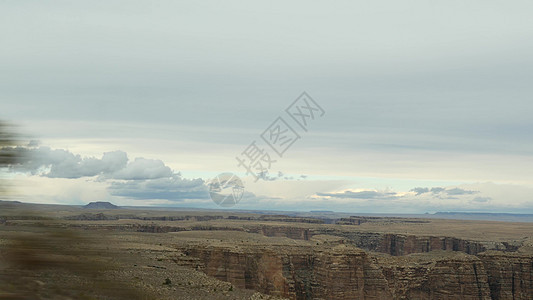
(60, 163)
(174, 188)
(140, 179)
(482, 199)
(142, 168)
(420, 191)
(34, 143)
(458, 191)
(252, 198)
(438, 190)
(419, 200)
(114, 161)
(360, 195)
(458, 198)
(279, 176)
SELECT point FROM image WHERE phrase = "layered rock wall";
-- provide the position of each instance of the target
(297, 273)
(345, 272)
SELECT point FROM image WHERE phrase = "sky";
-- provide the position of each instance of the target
(425, 106)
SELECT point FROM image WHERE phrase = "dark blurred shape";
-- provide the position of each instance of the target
(9, 140)
(11, 153)
(46, 262)
(55, 263)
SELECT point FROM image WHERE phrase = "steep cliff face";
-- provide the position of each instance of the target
(397, 245)
(337, 273)
(296, 272)
(311, 262)
(251, 270)
(510, 275)
(465, 278)
(450, 276)
(390, 243)
(292, 232)
(345, 272)
(393, 244)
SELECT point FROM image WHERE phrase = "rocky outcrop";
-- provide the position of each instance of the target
(510, 275)
(400, 244)
(197, 218)
(296, 272)
(390, 243)
(358, 220)
(292, 232)
(152, 228)
(345, 272)
(100, 205)
(91, 217)
(447, 276)
(288, 219)
(395, 244)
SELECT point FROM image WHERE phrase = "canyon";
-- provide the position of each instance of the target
(231, 255)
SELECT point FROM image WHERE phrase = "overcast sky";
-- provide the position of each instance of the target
(428, 105)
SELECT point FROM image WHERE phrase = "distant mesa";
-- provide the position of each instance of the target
(9, 202)
(101, 205)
